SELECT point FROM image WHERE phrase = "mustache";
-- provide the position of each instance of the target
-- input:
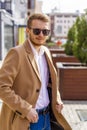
(35, 43)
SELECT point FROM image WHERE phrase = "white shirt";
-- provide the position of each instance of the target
(40, 58)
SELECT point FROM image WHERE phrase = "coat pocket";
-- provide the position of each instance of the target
(14, 116)
(20, 123)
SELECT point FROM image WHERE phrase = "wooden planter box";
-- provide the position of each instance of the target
(63, 58)
(56, 51)
(72, 81)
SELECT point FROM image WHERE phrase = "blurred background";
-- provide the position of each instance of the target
(14, 15)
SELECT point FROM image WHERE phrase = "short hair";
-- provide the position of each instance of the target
(37, 16)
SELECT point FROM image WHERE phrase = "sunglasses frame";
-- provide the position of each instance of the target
(37, 31)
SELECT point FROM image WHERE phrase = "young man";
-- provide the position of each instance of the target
(24, 81)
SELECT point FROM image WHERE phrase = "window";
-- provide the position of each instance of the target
(64, 21)
(23, 1)
(8, 36)
(59, 29)
(0, 5)
(2, 0)
(7, 0)
(31, 4)
(8, 6)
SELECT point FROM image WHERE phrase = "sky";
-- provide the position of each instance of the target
(64, 5)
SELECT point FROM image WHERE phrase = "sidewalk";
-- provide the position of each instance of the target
(70, 112)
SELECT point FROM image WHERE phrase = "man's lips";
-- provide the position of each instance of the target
(40, 39)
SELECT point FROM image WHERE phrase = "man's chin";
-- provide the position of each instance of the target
(38, 44)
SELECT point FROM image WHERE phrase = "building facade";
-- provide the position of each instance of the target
(13, 18)
(61, 23)
(7, 32)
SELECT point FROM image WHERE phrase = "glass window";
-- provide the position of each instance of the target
(23, 1)
(8, 6)
(32, 4)
(8, 37)
(7, 0)
(2, 0)
(59, 29)
(0, 5)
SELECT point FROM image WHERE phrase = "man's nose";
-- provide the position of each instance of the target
(41, 33)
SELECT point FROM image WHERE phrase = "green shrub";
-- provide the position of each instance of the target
(77, 40)
(68, 48)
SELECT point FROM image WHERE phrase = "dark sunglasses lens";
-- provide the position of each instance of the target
(36, 31)
(46, 32)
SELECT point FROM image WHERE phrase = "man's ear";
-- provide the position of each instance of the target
(27, 30)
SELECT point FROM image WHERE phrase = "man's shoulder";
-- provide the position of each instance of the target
(17, 47)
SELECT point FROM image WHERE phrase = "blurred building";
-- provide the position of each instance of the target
(13, 18)
(61, 23)
(38, 8)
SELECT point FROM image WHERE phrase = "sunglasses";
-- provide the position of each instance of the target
(37, 31)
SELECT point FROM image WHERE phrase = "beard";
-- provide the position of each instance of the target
(36, 43)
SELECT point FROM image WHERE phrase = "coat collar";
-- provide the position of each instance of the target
(32, 59)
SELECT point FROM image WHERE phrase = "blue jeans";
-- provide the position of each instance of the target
(42, 124)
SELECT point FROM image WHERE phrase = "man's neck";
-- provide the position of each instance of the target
(37, 48)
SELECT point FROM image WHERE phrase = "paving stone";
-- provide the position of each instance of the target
(70, 113)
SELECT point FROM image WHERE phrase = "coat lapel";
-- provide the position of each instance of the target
(34, 65)
(31, 58)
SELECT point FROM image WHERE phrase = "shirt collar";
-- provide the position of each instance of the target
(41, 52)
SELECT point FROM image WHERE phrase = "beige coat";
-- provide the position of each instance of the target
(20, 86)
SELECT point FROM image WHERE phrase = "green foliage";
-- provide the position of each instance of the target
(68, 48)
(77, 40)
(50, 44)
(80, 45)
(70, 41)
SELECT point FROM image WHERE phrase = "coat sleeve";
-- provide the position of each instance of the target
(8, 72)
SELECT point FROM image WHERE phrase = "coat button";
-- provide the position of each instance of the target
(37, 90)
